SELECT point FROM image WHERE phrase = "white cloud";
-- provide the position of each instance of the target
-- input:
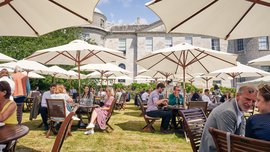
(126, 3)
(104, 2)
(142, 21)
(120, 21)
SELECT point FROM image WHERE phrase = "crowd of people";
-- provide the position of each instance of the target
(228, 116)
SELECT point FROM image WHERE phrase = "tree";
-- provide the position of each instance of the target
(21, 47)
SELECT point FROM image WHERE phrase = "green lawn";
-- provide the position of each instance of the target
(127, 136)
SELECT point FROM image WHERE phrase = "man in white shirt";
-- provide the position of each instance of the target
(206, 97)
(43, 109)
(145, 96)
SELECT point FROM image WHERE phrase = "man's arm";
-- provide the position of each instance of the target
(227, 121)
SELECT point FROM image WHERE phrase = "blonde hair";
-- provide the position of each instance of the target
(60, 89)
(111, 91)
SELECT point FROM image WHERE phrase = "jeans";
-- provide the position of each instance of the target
(165, 115)
(44, 116)
(19, 101)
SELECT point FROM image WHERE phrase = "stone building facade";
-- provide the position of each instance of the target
(137, 40)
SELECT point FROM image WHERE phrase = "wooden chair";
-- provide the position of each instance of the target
(194, 122)
(227, 142)
(56, 113)
(122, 101)
(198, 104)
(109, 116)
(29, 103)
(149, 120)
(64, 129)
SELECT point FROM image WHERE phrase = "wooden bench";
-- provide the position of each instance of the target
(227, 142)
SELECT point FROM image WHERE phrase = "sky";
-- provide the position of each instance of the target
(127, 11)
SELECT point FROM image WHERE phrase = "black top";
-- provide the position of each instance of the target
(258, 126)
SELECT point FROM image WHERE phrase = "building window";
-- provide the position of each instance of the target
(263, 43)
(123, 66)
(168, 42)
(189, 40)
(217, 82)
(149, 43)
(102, 22)
(215, 44)
(122, 45)
(240, 44)
(242, 79)
(266, 68)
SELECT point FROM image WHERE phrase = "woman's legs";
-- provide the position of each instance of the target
(91, 124)
(93, 117)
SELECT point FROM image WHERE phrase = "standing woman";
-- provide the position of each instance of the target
(8, 107)
(258, 126)
(99, 115)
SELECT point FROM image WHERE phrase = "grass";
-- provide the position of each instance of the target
(127, 136)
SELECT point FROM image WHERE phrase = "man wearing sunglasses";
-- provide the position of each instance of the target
(229, 116)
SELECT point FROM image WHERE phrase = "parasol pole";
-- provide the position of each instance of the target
(79, 74)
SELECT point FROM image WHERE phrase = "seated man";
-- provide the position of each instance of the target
(175, 99)
(43, 109)
(145, 96)
(153, 111)
(229, 117)
(118, 95)
(206, 97)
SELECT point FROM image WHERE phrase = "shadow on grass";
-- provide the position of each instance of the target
(23, 149)
(131, 125)
(34, 124)
(134, 114)
(133, 107)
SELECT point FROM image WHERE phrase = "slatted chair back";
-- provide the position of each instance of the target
(141, 105)
(110, 112)
(198, 104)
(62, 133)
(56, 113)
(194, 122)
(227, 142)
(149, 120)
(56, 108)
(123, 100)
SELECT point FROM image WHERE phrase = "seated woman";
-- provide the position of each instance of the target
(85, 99)
(258, 125)
(99, 115)
(60, 93)
(8, 107)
